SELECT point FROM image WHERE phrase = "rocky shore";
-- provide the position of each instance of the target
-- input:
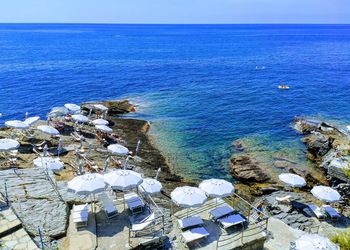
(258, 180)
(42, 200)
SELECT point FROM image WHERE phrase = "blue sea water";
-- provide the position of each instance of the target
(201, 86)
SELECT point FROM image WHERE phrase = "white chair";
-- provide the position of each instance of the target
(195, 234)
(190, 222)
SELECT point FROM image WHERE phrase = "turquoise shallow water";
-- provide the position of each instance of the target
(201, 86)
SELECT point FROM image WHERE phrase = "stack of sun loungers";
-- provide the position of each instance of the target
(193, 229)
(107, 205)
(80, 215)
(227, 217)
(134, 202)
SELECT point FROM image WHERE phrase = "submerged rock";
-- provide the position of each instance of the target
(246, 169)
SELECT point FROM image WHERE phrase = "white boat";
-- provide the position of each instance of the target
(283, 86)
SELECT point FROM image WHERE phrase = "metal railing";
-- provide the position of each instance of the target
(155, 230)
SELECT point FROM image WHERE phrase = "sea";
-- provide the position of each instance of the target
(202, 87)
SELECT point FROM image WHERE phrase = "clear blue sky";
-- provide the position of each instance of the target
(175, 11)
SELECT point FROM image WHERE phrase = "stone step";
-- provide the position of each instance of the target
(9, 222)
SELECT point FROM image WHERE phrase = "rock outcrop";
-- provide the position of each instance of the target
(36, 201)
(318, 145)
(247, 169)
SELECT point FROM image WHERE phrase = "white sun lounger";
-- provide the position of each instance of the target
(134, 202)
(142, 224)
(231, 220)
(284, 200)
(316, 211)
(108, 206)
(331, 212)
(190, 222)
(221, 212)
(195, 234)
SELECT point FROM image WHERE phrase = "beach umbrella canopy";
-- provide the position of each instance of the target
(72, 107)
(100, 122)
(151, 186)
(100, 107)
(314, 242)
(104, 128)
(118, 149)
(58, 111)
(217, 188)
(188, 197)
(8, 145)
(31, 120)
(292, 180)
(48, 130)
(80, 118)
(16, 124)
(325, 193)
(54, 164)
(87, 184)
(123, 179)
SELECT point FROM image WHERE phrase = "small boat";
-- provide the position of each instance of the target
(283, 86)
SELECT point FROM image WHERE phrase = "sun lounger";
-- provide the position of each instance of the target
(142, 224)
(284, 200)
(331, 212)
(134, 202)
(316, 211)
(107, 205)
(221, 212)
(195, 234)
(299, 206)
(231, 220)
(76, 136)
(190, 222)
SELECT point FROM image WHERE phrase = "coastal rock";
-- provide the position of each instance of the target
(311, 179)
(305, 126)
(238, 145)
(286, 213)
(115, 107)
(317, 145)
(246, 169)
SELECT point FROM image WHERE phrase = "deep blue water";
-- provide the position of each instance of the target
(198, 84)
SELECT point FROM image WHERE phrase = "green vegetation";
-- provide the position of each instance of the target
(343, 240)
(347, 171)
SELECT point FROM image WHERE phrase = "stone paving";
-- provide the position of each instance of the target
(18, 240)
(13, 236)
(8, 221)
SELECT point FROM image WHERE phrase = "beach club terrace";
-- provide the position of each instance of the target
(230, 223)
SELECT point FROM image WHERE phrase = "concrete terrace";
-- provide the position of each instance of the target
(114, 233)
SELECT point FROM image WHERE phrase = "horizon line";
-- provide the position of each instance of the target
(105, 23)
